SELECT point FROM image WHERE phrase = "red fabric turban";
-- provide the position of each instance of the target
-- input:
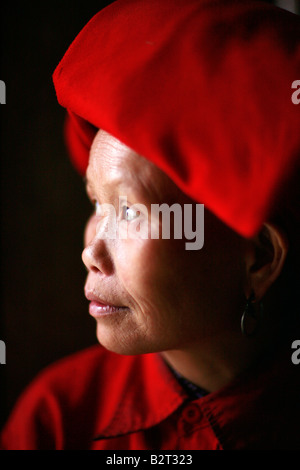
(201, 88)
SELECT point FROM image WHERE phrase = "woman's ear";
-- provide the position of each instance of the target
(265, 256)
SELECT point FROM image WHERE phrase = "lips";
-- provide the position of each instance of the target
(99, 307)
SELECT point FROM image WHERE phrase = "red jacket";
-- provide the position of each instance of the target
(96, 399)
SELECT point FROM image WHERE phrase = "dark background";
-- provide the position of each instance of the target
(44, 315)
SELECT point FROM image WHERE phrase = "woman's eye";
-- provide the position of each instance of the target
(129, 214)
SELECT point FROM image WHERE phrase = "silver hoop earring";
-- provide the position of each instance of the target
(251, 317)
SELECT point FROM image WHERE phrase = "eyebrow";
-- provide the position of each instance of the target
(117, 181)
(133, 184)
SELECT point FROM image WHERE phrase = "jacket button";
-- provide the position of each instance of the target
(191, 414)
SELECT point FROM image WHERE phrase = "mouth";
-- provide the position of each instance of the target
(99, 307)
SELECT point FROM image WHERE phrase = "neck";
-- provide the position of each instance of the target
(216, 362)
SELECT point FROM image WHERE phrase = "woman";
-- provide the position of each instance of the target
(181, 103)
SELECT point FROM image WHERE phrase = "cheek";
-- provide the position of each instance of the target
(152, 272)
(144, 271)
(135, 263)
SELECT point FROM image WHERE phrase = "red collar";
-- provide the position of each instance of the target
(253, 410)
(148, 395)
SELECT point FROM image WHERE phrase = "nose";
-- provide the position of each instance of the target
(96, 255)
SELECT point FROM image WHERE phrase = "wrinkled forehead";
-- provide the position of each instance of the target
(112, 164)
(110, 158)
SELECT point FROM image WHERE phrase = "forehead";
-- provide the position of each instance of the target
(111, 161)
(114, 165)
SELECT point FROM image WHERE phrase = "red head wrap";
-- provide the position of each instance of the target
(201, 88)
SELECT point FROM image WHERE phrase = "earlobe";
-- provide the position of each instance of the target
(265, 257)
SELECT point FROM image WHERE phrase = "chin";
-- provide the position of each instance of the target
(127, 346)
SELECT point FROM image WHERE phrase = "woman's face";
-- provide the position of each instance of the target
(146, 294)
